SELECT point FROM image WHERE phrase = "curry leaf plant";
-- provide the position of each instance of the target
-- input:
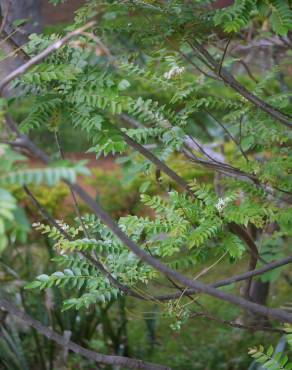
(158, 84)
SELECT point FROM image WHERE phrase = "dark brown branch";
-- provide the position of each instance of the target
(254, 255)
(234, 279)
(91, 355)
(162, 166)
(248, 71)
(251, 266)
(223, 167)
(234, 84)
(199, 147)
(4, 19)
(247, 239)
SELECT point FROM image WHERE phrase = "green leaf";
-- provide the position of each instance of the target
(144, 186)
(20, 22)
(33, 285)
(43, 277)
(123, 85)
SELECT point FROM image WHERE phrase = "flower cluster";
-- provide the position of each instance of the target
(62, 224)
(222, 203)
(174, 72)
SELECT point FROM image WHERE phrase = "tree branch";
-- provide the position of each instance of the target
(97, 357)
(234, 84)
(234, 279)
(162, 166)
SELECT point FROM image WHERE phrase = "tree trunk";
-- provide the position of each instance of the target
(29, 10)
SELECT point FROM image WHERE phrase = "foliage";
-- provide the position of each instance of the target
(79, 273)
(273, 358)
(161, 85)
(13, 221)
(238, 15)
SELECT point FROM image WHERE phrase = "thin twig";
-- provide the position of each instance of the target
(242, 90)
(203, 272)
(235, 324)
(246, 67)
(223, 56)
(41, 56)
(75, 203)
(228, 134)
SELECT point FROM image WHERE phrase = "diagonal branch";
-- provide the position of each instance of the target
(162, 166)
(242, 90)
(234, 279)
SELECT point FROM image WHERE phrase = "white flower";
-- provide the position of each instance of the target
(221, 204)
(62, 224)
(173, 72)
(36, 224)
